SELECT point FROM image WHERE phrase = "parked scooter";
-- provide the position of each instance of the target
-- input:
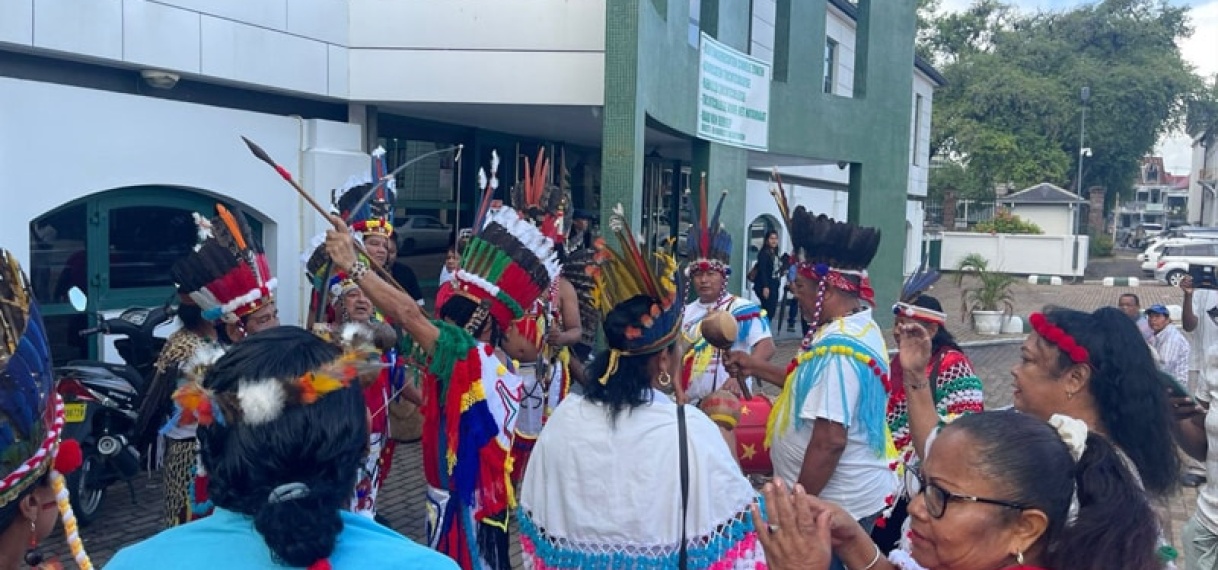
(102, 404)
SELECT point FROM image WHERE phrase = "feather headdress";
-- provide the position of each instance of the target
(709, 243)
(543, 203)
(368, 215)
(630, 272)
(227, 275)
(31, 413)
(508, 264)
(920, 282)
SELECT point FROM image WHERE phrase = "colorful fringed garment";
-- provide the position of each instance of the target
(840, 377)
(605, 493)
(470, 407)
(702, 372)
(380, 446)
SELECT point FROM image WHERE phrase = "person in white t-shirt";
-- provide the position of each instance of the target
(827, 430)
(1200, 320)
(703, 370)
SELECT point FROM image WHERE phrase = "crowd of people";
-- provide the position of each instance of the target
(280, 438)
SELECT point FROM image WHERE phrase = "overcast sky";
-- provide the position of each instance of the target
(1201, 50)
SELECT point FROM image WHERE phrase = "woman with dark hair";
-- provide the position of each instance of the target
(1096, 367)
(283, 431)
(1060, 499)
(33, 459)
(766, 280)
(678, 498)
(954, 386)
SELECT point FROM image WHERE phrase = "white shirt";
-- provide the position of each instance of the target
(1172, 349)
(862, 479)
(1203, 340)
(709, 373)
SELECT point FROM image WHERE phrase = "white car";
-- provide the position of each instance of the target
(1174, 261)
(422, 233)
(1150, 257)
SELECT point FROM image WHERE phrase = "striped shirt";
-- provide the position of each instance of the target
(1173, 350)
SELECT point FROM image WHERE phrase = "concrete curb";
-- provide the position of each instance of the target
(1044, 280)
(1121, 282)
(995, 342)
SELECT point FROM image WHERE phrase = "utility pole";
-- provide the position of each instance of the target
(1084, 95)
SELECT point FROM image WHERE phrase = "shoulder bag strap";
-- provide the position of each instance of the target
(683, 557)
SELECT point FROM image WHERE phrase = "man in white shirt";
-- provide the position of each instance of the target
(1200, 320)
(1170, 345)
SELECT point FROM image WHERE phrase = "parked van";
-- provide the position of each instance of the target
(1150, 257)
(1174, 260)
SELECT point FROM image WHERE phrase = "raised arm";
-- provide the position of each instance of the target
(915, 352)
(399, 306)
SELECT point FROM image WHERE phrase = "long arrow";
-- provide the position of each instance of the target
(287, 176)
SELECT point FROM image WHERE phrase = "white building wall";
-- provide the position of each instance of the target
(478, 51)
(1204, 167)
(919, 150)
(119, 141)
(1054, 220)
(297, 46)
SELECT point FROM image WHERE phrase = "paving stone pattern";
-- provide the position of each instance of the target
(123, 522)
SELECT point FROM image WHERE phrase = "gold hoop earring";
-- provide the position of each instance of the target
(664, 380)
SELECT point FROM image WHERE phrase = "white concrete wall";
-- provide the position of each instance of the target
(1200, 162)
(297, 46)
(1054, 220)
(118, 141)
(840, 28)
(1018, 254)
(478, 51)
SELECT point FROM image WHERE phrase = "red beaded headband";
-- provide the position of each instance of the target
(1060, 338)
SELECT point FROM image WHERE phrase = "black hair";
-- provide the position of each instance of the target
(630, 385)
(320, 445)
(943, 338)
(1115, 526)
(191, 315)
(1127, 390)
(1134, 296)
(459, 310)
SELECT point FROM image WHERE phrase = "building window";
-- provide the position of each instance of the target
(830, 64)
(917, 129)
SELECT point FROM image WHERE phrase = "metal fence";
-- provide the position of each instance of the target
(968, 213)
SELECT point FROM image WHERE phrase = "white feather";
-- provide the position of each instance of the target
(482, 178)
(379, 152)
(261, 400)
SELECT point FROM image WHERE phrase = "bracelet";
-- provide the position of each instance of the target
(358, 271)
(874, 561)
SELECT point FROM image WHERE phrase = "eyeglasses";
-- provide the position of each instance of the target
(937, 497)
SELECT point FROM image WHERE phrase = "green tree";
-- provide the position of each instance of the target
(1011, 110)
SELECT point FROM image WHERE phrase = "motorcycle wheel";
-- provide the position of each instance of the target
(86, 500)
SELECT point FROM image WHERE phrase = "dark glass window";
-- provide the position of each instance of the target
(57, 254)
(145, 241)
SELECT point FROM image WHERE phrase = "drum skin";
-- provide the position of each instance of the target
(750, 436)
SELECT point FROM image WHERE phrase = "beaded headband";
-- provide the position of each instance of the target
(919, 313)
(1059, 338)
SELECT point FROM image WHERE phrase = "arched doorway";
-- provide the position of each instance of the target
(117, 246)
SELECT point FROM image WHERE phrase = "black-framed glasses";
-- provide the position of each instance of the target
(937, 497)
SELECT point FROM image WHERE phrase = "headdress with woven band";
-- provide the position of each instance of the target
(227, 275)
(31, 413)
(368, 215)
(709, 243)
(543, 203)
(325, 279)
(1058, 337)
(920, 282)
(257, 401)
(508, 264)
(631, 272)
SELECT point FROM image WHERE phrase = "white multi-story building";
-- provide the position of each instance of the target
(1203, 181)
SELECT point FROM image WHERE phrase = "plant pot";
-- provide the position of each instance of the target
(987, 322)
(1012, 325)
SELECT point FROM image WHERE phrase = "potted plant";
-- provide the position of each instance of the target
(989, 299)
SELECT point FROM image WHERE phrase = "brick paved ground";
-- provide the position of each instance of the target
(123, 522)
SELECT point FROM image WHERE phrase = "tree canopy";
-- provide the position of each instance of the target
(1010, 113)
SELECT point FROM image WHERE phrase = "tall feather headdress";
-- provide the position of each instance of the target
(709, 243)
(629, 272)
(543, 203)
(227, 275)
